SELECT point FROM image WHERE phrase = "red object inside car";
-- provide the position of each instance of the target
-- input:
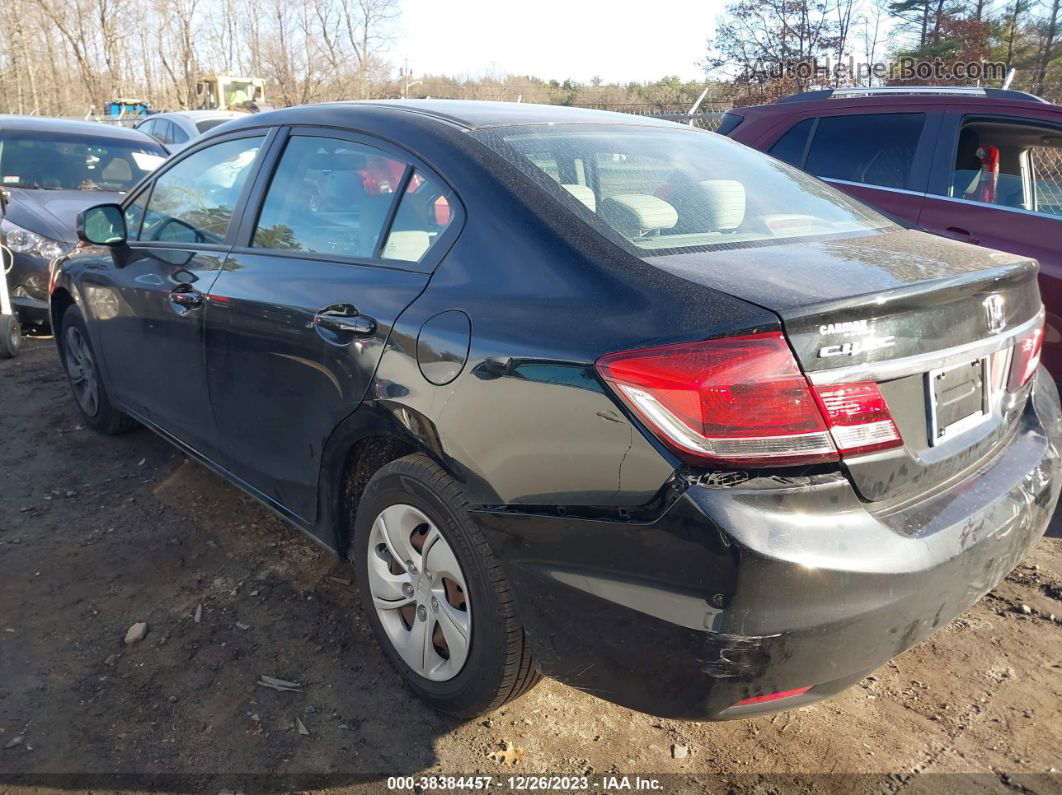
(988, 185)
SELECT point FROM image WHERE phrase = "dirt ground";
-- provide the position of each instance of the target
(99, 533)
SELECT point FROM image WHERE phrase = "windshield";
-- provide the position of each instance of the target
(61, 161)
(669, 190)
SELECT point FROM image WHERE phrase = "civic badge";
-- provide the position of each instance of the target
(994, 313)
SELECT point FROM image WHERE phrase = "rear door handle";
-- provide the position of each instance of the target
(344, 319)
(958, 233)
(185, 299)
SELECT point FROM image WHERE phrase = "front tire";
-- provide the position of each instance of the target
(86, 380)
(10, 335)
(435, 595)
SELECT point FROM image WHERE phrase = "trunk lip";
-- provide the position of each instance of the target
(923, 362)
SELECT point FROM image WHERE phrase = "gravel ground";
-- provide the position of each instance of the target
(98, 533)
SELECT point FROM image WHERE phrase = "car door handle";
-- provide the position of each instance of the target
(344, 319)
(185, 298)
(958, 233)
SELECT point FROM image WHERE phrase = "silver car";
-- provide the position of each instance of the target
(177, 130)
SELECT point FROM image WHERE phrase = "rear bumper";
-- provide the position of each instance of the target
(769, 587)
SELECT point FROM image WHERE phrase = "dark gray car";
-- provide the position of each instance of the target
(50, 170)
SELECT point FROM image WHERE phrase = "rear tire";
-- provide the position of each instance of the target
(10, 335)
(86, 380)
(410, 500)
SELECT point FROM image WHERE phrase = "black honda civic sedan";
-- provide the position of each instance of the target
(580, 394)
(50, 170)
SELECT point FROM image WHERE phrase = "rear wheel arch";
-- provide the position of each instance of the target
(374, 436)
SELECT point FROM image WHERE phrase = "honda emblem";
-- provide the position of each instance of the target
(994, 313)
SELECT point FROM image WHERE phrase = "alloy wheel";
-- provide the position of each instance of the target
(81, 367)
(419, 592)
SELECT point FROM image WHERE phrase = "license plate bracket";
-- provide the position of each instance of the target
(958, 399)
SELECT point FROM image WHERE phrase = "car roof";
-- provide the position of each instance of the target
(899, 99)
(71, 127)
(469, 114)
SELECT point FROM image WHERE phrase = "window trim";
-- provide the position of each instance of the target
(244, 236)
(267, 133)
(941, 176)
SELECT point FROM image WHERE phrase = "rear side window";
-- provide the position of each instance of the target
(193, 201)
(328, 196)
(875, 149)
(424, 213)
(790, 147)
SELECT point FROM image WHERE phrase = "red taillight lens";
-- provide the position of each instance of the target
(744, 401)
(858, 417)
(1026, 359)
(740, 400)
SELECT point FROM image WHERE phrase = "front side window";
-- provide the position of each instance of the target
(1009, 165)
(36, 160)
(328, 196)
(672, 189)
(873, 149)
(193, 202)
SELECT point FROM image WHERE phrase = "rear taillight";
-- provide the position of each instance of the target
(858, 417)
(1026, 359)
(744, 401)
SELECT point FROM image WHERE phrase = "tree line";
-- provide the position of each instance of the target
(68, 57)
(755, 38)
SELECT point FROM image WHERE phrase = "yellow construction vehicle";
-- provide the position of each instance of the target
(225, 92)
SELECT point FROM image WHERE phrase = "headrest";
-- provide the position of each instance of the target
(634, 214)
(583, 193)
(725, 208)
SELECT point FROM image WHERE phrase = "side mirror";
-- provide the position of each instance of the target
(102, 225)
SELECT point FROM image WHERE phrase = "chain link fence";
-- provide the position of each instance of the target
(1046, 162)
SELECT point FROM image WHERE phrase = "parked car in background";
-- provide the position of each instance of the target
(176, 130)
(979, 165)
(579, 392)
(51, 169)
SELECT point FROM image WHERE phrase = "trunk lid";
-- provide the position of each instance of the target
(931, 321)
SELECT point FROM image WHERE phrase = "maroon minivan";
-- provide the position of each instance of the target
(980, 165)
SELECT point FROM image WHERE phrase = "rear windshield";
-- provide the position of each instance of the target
(209, 124)
(670, 190)
(60, 161)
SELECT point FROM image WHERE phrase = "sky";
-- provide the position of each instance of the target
(556, 39)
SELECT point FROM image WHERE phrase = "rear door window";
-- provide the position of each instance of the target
(871, 149)
(1009, 164)
(329, 196)
(177, 134)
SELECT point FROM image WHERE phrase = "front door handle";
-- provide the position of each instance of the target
(344, 319)
(185, 299)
